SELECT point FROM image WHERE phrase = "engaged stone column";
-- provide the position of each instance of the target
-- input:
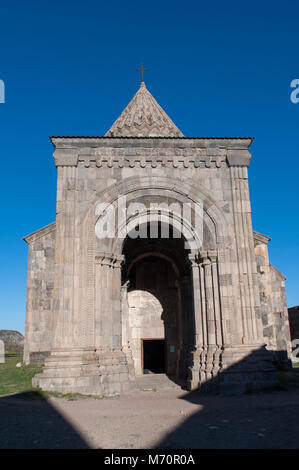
(112, 361)
(197, 298)
(66, 323)
(193, 379)
(108, 300)
(218, 316)
(247, 271)
(187, 323)
(125, 329)
(206, 354)
(214, 336)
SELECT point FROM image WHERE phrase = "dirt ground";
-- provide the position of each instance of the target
(166, 419)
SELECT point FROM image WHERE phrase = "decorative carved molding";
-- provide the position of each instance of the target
(143, 158)
(153, 157)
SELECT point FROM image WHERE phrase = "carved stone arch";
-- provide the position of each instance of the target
(171, 186)
(132, 187)
(194, 192)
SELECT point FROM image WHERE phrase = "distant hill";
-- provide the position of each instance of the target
(12, 339)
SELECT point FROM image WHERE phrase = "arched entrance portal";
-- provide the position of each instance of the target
(157, 305)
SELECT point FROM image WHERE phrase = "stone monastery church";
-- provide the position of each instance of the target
(152, 266)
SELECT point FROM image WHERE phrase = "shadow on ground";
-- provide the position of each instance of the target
(28, 421)
(264, 415)
(258, 421)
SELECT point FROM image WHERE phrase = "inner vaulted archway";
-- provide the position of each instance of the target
(157, 302)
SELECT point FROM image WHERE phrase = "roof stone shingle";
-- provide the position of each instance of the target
(143, 117)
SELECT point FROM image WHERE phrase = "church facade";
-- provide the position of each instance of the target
(152, 265)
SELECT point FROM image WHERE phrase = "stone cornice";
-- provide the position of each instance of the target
(259, 238)
(102, 141)
(144, 152)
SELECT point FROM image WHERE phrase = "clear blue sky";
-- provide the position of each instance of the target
(217, 68)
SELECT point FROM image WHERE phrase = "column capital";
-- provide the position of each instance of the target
(194, 259)
(212, 254)
(203, 258)
(238, 157)
(109, 259)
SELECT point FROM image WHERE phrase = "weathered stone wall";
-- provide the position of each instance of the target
(40, 282)
(145, 321)
(274, 314)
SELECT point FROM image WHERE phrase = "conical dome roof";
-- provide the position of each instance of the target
(143, 117)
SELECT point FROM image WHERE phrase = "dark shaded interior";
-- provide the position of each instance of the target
(154, 356)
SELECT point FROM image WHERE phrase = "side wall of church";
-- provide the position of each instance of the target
(39, 306)
(274, 313)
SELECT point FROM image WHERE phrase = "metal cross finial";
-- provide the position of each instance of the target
(141, 69)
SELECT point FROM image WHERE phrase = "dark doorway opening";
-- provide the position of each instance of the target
(159, 267)
(153, 356)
